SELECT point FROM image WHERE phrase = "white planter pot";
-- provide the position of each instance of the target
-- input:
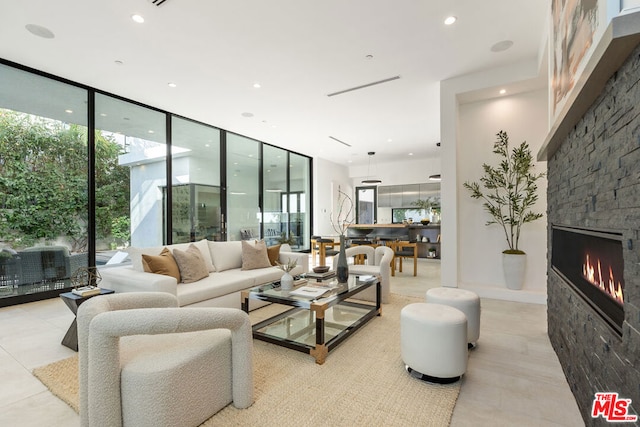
(514, 266)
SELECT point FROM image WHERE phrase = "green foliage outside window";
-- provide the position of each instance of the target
(43, 182)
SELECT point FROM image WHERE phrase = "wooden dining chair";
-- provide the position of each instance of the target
(401, 250)
(359, 259)
(325, 247)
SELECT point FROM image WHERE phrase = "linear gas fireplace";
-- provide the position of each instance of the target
(592, 263)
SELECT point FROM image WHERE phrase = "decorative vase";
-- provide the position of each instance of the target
(342, 269)
(513, 266)
(286, 282)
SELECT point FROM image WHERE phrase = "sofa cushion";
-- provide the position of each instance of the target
(273, 252)
(216, 285)
(254, 255)
(226, 255)
(191, 264)
(162, 264)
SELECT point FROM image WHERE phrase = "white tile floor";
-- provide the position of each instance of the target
(513, 377)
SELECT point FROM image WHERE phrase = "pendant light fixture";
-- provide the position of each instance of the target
(371, 180)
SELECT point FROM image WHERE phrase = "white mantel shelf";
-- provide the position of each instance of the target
(619, 40)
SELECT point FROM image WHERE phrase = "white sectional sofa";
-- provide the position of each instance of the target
(221, 288)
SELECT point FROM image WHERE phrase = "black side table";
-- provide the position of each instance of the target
(73, 301)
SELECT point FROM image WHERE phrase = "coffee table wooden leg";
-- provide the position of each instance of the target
(319, 353)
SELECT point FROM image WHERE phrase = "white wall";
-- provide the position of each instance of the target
(147, 181)
(455, 131)
(523, 117)
(327, 176)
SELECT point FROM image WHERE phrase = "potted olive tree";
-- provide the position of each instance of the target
(509, 192)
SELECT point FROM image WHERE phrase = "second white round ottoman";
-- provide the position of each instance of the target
(466, 301)
(433, 341)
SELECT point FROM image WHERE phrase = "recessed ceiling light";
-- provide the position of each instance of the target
(207, 145)
(150, 131)
(411, 154)
(172, 84)
(501, 46)
(450, 20)
(503, 91)
(257, 85)
(68, 111)
(389, 140)
(103, 115)
(137, 18)
(247, 114)
(40, 31)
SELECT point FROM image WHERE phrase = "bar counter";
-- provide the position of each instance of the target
(414, 232)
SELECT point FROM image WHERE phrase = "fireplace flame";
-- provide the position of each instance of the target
(593, 274)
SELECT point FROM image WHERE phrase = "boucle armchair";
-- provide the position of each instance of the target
(378, 263)
(145, 362)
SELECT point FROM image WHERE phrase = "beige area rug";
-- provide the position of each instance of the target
(362, 382)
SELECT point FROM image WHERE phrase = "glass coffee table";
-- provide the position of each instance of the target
(315, 325)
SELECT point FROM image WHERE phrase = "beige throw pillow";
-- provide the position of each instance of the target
(191, 264)
(162, 264)
(254, 256)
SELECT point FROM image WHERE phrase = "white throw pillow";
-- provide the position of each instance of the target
(226, 255)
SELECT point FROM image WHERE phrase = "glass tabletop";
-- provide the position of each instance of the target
(332, 289)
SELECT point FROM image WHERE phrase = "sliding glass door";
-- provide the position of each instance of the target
(43, 184)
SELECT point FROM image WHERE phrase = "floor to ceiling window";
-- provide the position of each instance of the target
(139, 134)
(274, 195)
(300, 202)
(64, 146)
(196, 212)
(43, 184)
(243, 177)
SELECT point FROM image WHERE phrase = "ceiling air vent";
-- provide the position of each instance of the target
(157, 2)
(341, 142)
(340, 92)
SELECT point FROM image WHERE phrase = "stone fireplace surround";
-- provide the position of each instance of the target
(594, 183)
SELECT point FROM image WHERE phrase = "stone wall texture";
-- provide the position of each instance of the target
(594, 182)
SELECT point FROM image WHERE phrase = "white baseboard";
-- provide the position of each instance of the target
(501, 293)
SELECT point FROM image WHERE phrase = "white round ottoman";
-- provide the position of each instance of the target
(465, 301)
(433, 341)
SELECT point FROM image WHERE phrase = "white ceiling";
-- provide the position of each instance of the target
(299, 51)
